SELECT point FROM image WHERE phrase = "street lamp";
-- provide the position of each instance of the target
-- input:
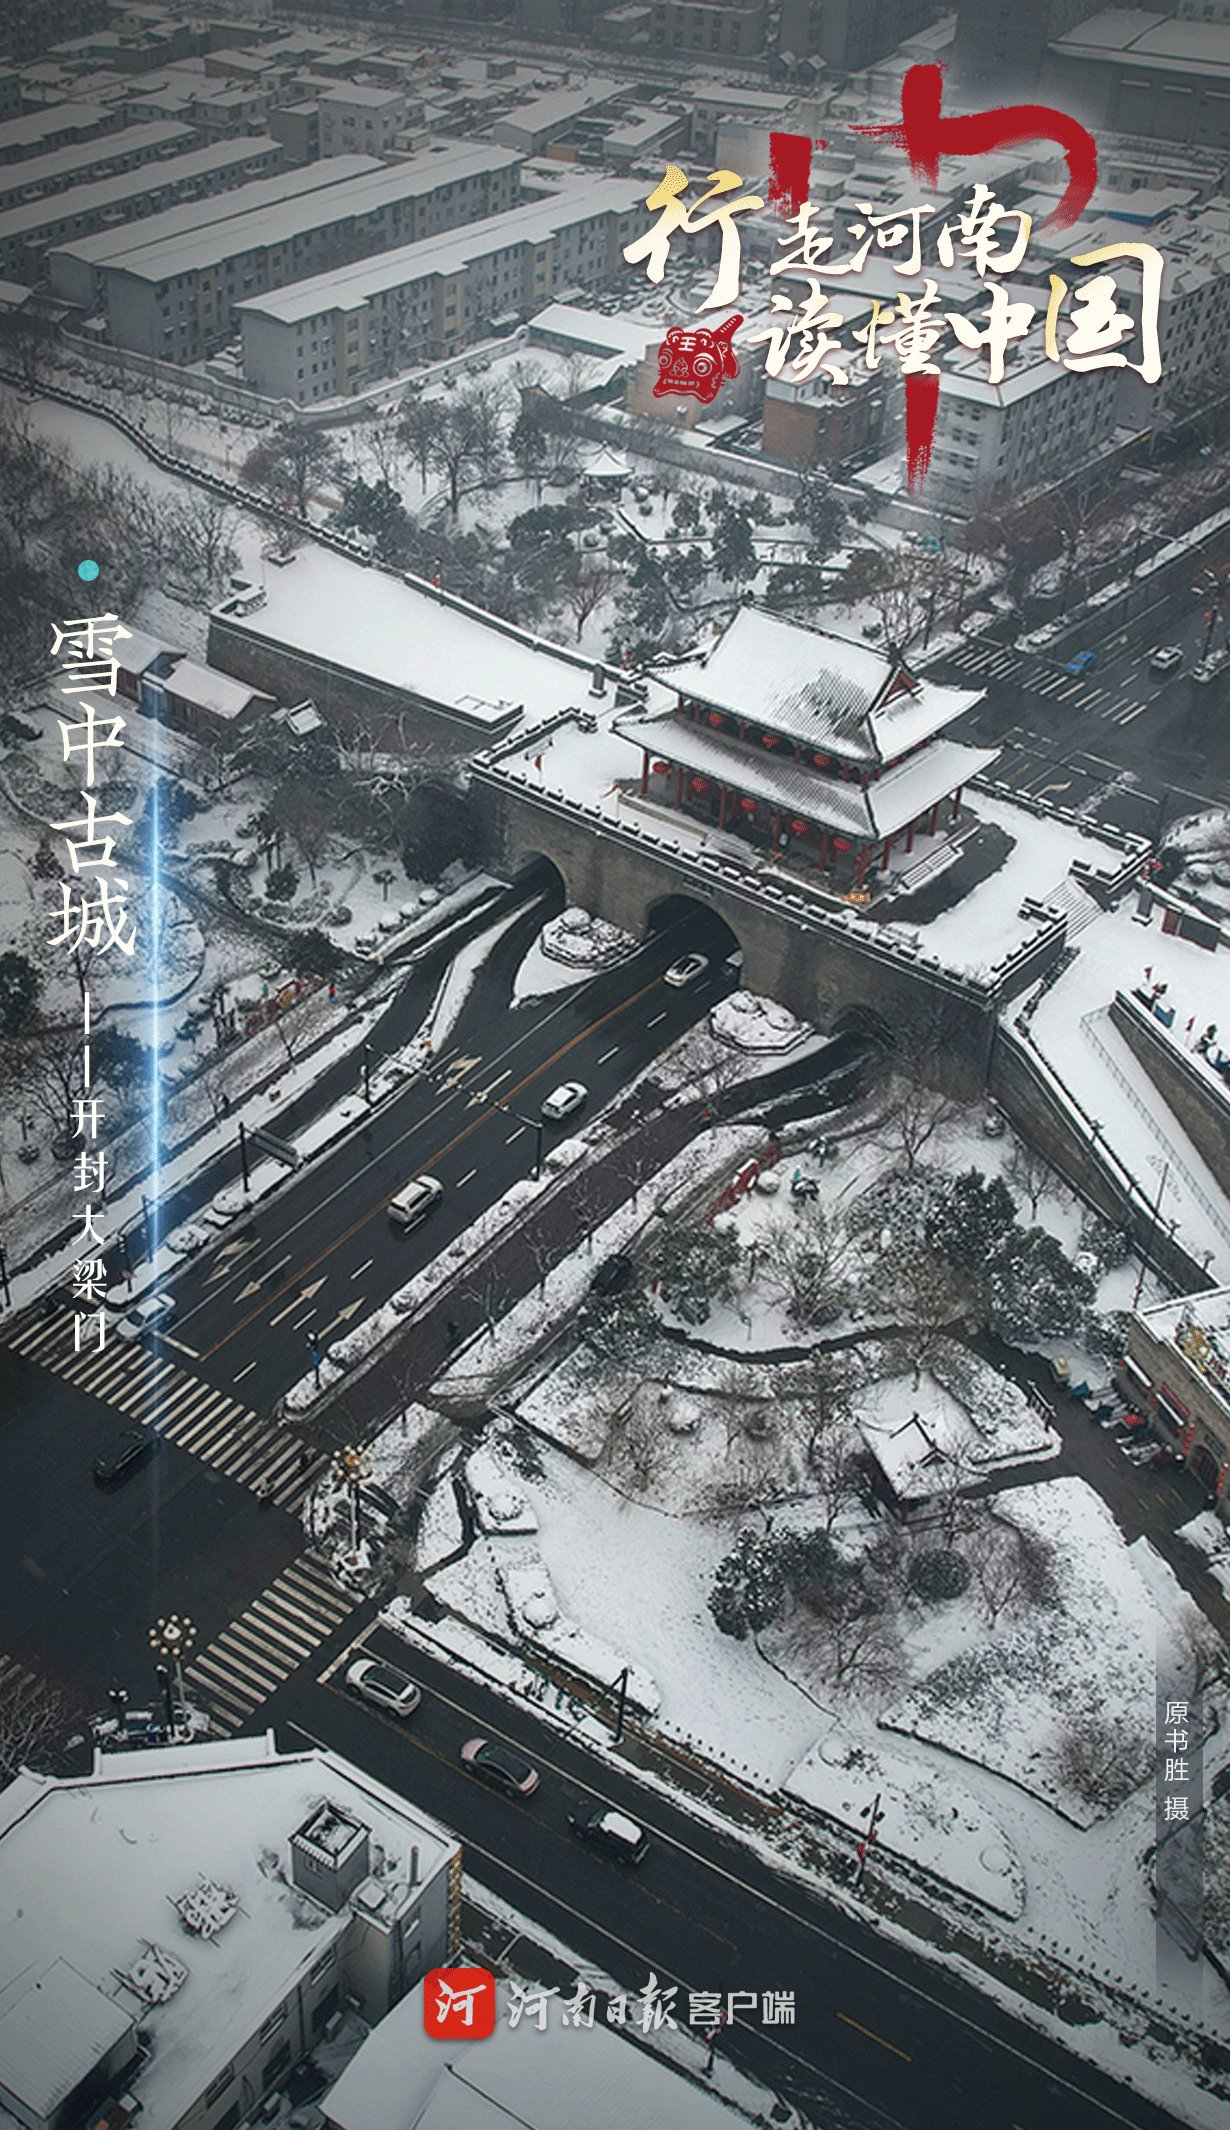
(351, 1466)
(173, 1639)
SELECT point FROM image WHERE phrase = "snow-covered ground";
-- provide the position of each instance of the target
(1071, 1029)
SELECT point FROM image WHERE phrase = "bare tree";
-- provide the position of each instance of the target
(586, 587)
(934, 1297)
(417, 429)
(905, 586)
(914, 1116)
(34, 1717)
(301, 808)
(291, 462)
(196, 531)
(487, 411)
(386, 447)
(1010, 1568)
(1103, 1759)
(1031, 1172)
(854, 1637)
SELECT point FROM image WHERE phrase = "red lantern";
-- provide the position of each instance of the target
(716, 719)
(840, 843)
(699, 784)
(798, 828)
(821, 761)
(660, 768)
(769, 739)
(748, 805)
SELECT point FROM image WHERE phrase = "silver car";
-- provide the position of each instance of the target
(384, 1685)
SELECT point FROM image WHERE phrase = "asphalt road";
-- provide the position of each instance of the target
(879, 2034)
(321, 1253)
(1132, 747)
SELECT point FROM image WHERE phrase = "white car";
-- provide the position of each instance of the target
(384, 1685)
(148, 1316)
(686, 969)
(1209, 668)
(564, 1101)
(1166, 659)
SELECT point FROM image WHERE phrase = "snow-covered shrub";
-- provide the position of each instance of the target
(937, 1574)
(749, 1588)
(1034, 1290)
(969, 1219)
(1109, 1244)
(1102, 1759)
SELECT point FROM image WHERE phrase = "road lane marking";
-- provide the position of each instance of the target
(361, 1269)
(519, 1133)
(654, 1022)
(440, 1154)
(612, 1052)
(244, 1372)
(890, 2045)
(1128, 715)
(469, 1176)
(180, 1346)
(305, 1294)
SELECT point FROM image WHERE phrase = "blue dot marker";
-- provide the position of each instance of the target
(87, 571)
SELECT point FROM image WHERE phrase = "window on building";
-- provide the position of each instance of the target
(273, 2022)
(215, 2091)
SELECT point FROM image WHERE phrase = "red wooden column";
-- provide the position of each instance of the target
(644, 771)
(956, 803)
(861, 864)
(822, 862)
(909, 837)
(932, 818)
(724, 795)
(777, 826)
(678, 789)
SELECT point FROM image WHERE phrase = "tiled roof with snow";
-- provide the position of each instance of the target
(825, 690)
(880, 809)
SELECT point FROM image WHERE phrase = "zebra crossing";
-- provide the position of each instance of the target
(151, 1390)
(260, 1649)
(992, 661)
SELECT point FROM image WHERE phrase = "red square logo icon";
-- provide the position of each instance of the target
(459, 2004)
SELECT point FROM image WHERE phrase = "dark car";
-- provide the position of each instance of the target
(613, 1276)
(612, 1832)
(120, 1459)
(499, 1765)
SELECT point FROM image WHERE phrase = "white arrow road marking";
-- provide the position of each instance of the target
(304, 1295)
(456, 1073)
(483, 1094)
(343, 1316)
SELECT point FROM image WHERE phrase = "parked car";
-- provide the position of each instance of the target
(1166, 659)
(564, 1101)
(123, 1456)
(501, 1766)
(384, 1685)
(610, 1831)
(687, 969)
(144, 1318)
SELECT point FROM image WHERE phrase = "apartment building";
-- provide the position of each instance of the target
(83, 161)
(28, 232)
(55, 126)
(190, 1969)
(1177, 1369)
(731, 27)
(359, 121)
(847, 35)
(1039, 425)
(175, 295)
(332, 335)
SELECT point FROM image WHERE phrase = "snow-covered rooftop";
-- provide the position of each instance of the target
(879, 810)
(364, 621)
(90, 1868)
(448, 252)
(166, 237)
(517, 2079)
(825, 690)
(211, 690)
